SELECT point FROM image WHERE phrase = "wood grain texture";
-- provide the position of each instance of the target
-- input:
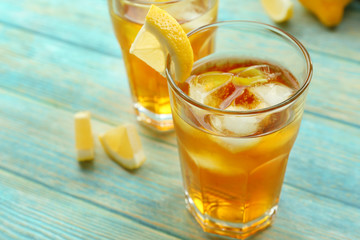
(32, 210)
(77, 22)
(340, 41)
(83, 23)
(59, 57)
(57, 72)
(155, 190)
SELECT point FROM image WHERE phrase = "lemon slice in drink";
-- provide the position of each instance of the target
(161, 35)
(123, 145)
(278, 10)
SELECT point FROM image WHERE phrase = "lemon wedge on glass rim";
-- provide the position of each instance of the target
(161, 35)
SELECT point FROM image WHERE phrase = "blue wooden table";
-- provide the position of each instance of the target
(59, 57)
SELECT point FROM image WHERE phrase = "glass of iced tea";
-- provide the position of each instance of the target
(236, 119)
(148, 88)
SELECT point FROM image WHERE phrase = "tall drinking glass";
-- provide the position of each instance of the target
(233, 160)
(148, 88)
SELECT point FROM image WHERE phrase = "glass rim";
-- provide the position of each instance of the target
(287, 102)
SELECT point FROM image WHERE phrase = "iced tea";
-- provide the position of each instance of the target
(148, 88)
(230, 178)
(236, 119)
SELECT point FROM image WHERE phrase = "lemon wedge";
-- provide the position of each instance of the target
(161, 35)
(278, 10)
(123, 145)
(84, 142)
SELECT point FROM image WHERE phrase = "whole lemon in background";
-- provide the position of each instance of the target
(329, 12)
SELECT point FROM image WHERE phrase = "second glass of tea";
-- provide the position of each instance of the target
(148, 88)
(236, 119)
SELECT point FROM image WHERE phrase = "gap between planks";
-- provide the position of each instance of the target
(66, 195)
(166, 143)
(155, 137)
(74, 44)
(114, 211)
(163, 139)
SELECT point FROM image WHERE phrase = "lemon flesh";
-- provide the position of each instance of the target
(278, 10)
(161, 35)
(84, 142)
(123, 145)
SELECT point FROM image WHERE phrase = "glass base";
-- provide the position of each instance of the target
(157, 122)
(231, 229)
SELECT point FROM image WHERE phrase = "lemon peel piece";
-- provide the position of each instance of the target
(84, 142)
(123, 145)
(248, 76)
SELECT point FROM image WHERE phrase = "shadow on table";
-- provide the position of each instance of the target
(87, 165)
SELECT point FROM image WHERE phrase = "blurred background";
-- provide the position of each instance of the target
(60, 57)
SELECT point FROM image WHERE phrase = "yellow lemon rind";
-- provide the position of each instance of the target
(84, 142)
(126, 137)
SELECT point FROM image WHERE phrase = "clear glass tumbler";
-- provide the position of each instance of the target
(148, 88)
(233, 179)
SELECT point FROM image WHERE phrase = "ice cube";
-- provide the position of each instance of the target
(235, 145)
(204, 84)
(223, 96)
(185, 11)
(192, 14)
(272, 93)
(235, 124)
(247, 100)
(241, 125)
(255, 97)
(205, 160)
(214, 162)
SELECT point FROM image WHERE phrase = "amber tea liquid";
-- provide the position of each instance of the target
(148, 88)
(228, 178)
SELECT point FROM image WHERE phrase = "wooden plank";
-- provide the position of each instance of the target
(33, 211)
(320, 198)
(340, 41)
(321, 145)
(77, 22)
(73, 78)
(43, 139)
(153, 194)
(90, 27)
(310, 216)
